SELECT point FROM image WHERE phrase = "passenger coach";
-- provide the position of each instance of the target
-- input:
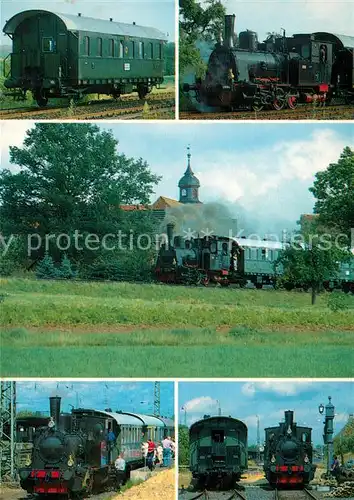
(61, 55)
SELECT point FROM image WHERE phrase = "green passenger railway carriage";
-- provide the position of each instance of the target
(61, 55)
(218, 450)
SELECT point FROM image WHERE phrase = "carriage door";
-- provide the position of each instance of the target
(218, 448)
(50, 57)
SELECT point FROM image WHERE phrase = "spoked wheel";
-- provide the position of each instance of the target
(116, 95)
(41, 98)
(257, 106)
(292, 102)
(143, 90)
(279, 100)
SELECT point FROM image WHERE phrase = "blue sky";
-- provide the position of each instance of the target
(260, 172)
(295, 16)
(136, 397)
(267, 399)
(158, 14)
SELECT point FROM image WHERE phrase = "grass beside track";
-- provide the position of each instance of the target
(122, 329)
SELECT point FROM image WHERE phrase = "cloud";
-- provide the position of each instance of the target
(200, 404)
(282, 388)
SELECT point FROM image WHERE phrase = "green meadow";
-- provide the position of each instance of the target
(147, 330)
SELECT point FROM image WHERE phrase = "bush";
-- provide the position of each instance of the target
(46, 268)
(338, 301)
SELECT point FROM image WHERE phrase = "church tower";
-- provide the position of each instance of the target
(189, 184)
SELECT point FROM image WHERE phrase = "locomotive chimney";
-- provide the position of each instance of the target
(111, 19)
(79, 14)
(170, 227)
(229, 31)
(54, 403)
(289, 419)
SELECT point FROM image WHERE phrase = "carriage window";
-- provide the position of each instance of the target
(160, 51)
(111, 47)
(121, 49)
(141, 50)
(264, 254)
(99, 47)
(130, 46)
(218, 436)
(304, 437)
(86, 46)
(151, 51)
(47, 44)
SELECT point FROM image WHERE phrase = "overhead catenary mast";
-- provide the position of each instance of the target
(7, 430)
(157, 399)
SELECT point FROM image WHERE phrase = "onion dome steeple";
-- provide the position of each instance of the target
(189, 184)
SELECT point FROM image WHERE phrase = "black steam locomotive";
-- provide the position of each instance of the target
(288, 454)
(278, 73)
(73, 455)
(218, 451)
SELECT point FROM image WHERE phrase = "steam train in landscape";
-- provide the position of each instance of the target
(224, 260)
(280, 72)
(218, 451)
(72, 455)
(61, 55)
(288, 454)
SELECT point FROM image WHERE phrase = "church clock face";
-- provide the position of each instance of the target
(184, 192)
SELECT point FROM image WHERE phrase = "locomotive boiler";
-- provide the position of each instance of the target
(288, 454)
(218, 450)
(278, 73)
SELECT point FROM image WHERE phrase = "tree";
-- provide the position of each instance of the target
(169, 68)
(334, 192)
(71, 178)
(198, 23)
(310, 263)
(46, 268)
(183, 445)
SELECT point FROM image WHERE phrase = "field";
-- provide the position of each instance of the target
(144, 330)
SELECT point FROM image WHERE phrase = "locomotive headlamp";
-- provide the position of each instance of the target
(321, 408)
(306, 459)
(272, 459)
(51, 423)
(70, 461)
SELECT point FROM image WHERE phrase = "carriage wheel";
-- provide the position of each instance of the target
(116, 95)
(41, 98)
(143, 90)
(279, 100)
(259, 286)
(292, 102)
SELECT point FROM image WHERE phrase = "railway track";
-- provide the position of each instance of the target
(215, 495)
(303, 112)
(294, 495)
(96, 109)
(249, 494)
